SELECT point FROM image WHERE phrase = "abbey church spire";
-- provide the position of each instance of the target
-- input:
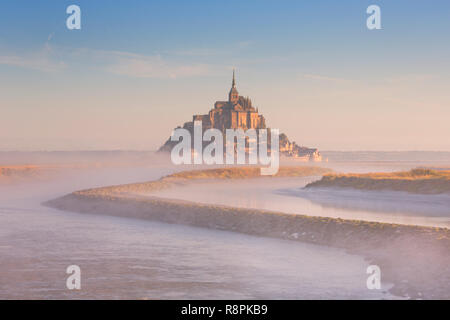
(233, 96)
(233, 83)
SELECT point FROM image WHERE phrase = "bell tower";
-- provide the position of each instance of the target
(233, 96)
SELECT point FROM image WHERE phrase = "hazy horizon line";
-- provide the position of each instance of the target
(149, 150)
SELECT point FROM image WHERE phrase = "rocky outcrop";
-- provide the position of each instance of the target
(291, 149)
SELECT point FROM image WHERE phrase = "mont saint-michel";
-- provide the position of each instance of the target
(238, 112)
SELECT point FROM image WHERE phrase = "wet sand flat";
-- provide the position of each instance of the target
(414, 258)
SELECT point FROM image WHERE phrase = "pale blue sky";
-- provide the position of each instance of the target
(137, 69)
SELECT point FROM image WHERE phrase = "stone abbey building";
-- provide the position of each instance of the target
(235, 113)
(238, 113)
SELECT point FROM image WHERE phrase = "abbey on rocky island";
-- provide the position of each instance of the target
(239, 113)
(235, 113)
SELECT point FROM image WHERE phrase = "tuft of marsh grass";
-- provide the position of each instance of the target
(192, 175)
(422, 181)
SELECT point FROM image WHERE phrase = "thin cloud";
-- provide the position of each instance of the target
(323, 78)
(39, 61)
(42, 60)
(141, 66)
(116, 62)
(410, 78)
(50, 37)
(199, 52)
(230, 49)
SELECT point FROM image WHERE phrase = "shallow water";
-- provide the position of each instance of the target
(137, 259)
(287, 195)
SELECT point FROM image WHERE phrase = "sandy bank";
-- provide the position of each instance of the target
(185, 177)
(416, 259)
(419, 181)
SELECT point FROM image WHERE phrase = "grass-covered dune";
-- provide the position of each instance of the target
(13, 173)
(249, 172)
(197, 175)
(421, 181)
(22, 170)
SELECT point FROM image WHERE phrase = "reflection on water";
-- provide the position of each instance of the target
(124, 258)
(287, 195)
(127, 258)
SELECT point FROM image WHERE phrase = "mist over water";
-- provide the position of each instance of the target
(288, 195)
(138, 259)
(122, 258)
(127, 258)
